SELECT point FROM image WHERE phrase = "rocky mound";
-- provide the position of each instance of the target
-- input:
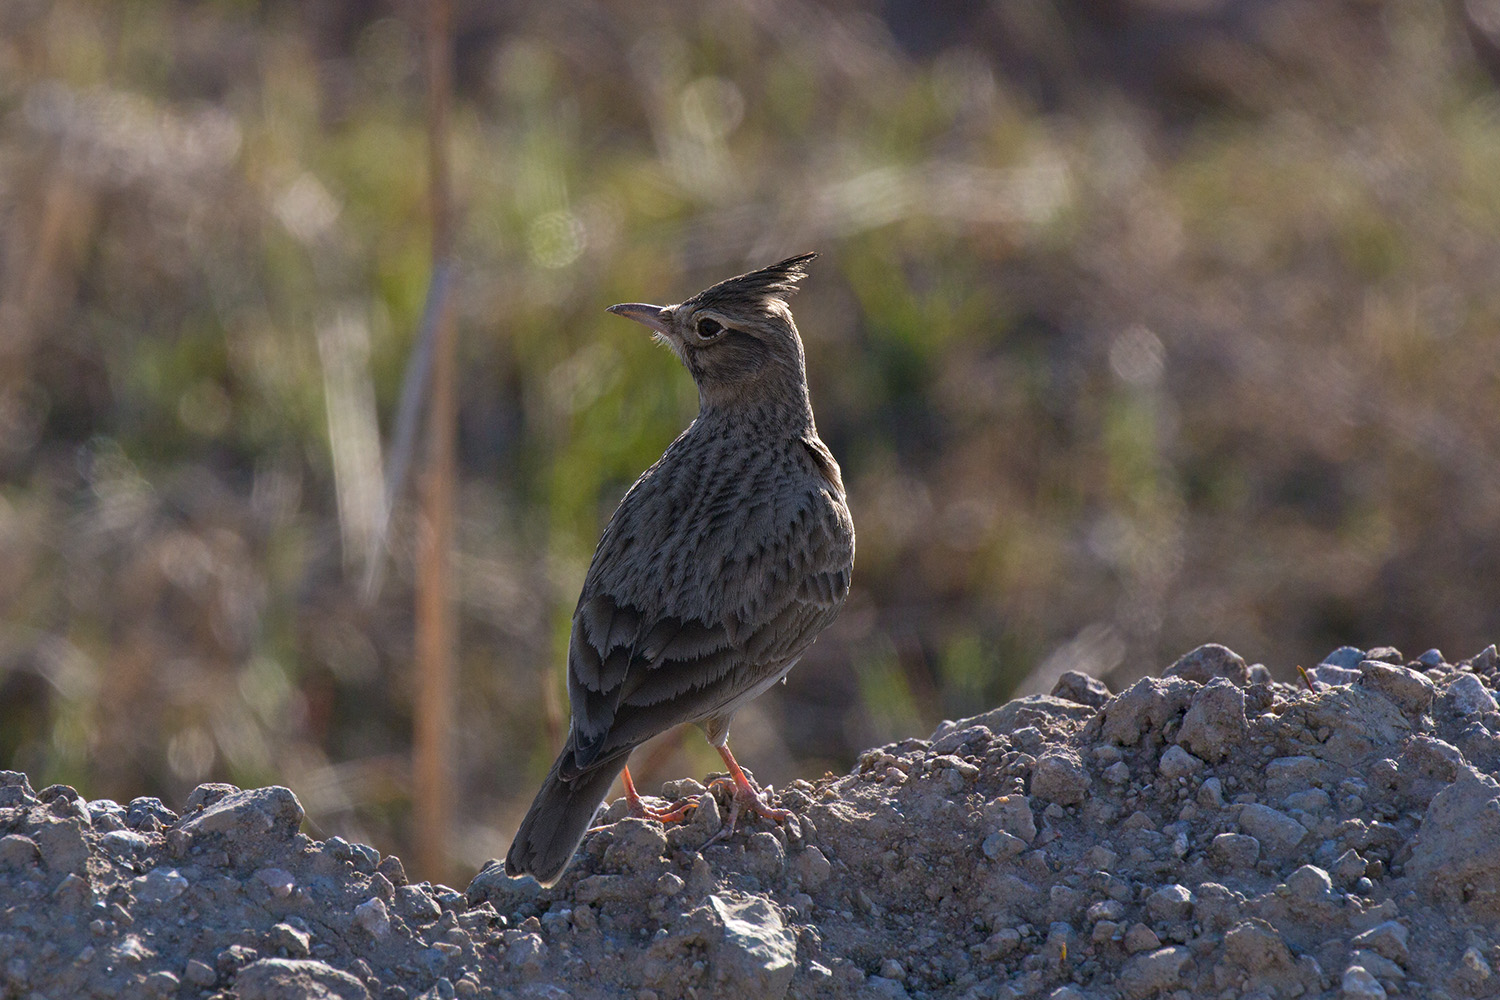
(1208, 833)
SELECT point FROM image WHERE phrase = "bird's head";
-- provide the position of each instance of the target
(737, 337)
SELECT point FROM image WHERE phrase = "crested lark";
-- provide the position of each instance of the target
(719, 568)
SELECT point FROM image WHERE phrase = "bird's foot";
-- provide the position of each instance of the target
(744, 796)
(640, 810)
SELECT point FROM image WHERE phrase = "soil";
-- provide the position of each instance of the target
(1207, 833)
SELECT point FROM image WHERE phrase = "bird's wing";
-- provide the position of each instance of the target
(761, 581)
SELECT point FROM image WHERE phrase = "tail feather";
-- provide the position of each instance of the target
(558, 818)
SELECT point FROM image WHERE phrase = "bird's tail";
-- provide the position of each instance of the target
(557, 820)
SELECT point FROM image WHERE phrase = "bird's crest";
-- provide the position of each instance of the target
(775, 281)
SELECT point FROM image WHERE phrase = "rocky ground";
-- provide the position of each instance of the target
(1207, 833)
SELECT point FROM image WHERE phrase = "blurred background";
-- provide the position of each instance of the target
(1140, 324)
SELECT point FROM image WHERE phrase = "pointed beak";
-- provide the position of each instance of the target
(656, 317)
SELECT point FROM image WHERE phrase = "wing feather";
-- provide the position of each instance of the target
(685, 627)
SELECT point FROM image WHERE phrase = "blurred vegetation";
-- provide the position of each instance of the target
(1139, 325)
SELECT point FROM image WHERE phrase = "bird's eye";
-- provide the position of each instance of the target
(708, 328)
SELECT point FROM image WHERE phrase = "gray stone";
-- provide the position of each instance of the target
(207, 794)
(1344, 656)
(1012, 814)
(1235, 850)
(1178, 763)
(295, 941)
(1467, 695)
(1139, 938)
(249, 824)
(296, 979)
(811, 867)
(1000, 845)
(200, 973)
(1145, 706)
(1310, 884)
(1028, 710)
(977, 737)
(758, 954)
(1279, 835)
(1359, 984)
(1310, 800)
(1256, 946)
(1208, 662)
(159, 885)
(1388, 938)
(890, 989)
(1170, 904)
(1453, 856)
(636, 844)
(1076, 686)
(1408, 690)
(18, 853)
(61, 844)
(1059, 776)
(1155, 972)
(414, 903)
(1215, 725)
(1332, 676)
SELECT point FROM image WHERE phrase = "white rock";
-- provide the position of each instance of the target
(758, 954)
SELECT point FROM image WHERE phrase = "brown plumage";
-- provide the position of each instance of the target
(719, 568)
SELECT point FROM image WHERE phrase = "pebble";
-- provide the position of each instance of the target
(18, 853)
(1475, 965)
(1332, 675)
(1000, 845)
(1012, 814)
(1060, 777)
(373, 916)
(978, 737)
(1144, 707)
(200, 973)
(1169, 904)
(1310, 884)
(283, 978)
(811, 867)
(1279, 835)
(1079, 687)
(1178, 763)
(758, 954)
(278, 880)
(1388, 938)
(1209, 662)
(1359, 984)
(1215, 726)
(1235, 850)
(160, 885)
(1344, 656)
(249, 822)
(1467, 695)
(1408, 690)
(1153, 973)
(1139, 938)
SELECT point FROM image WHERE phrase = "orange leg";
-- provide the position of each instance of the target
(745, 796)
(640, 810)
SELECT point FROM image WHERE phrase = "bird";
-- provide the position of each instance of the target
(719, 568)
